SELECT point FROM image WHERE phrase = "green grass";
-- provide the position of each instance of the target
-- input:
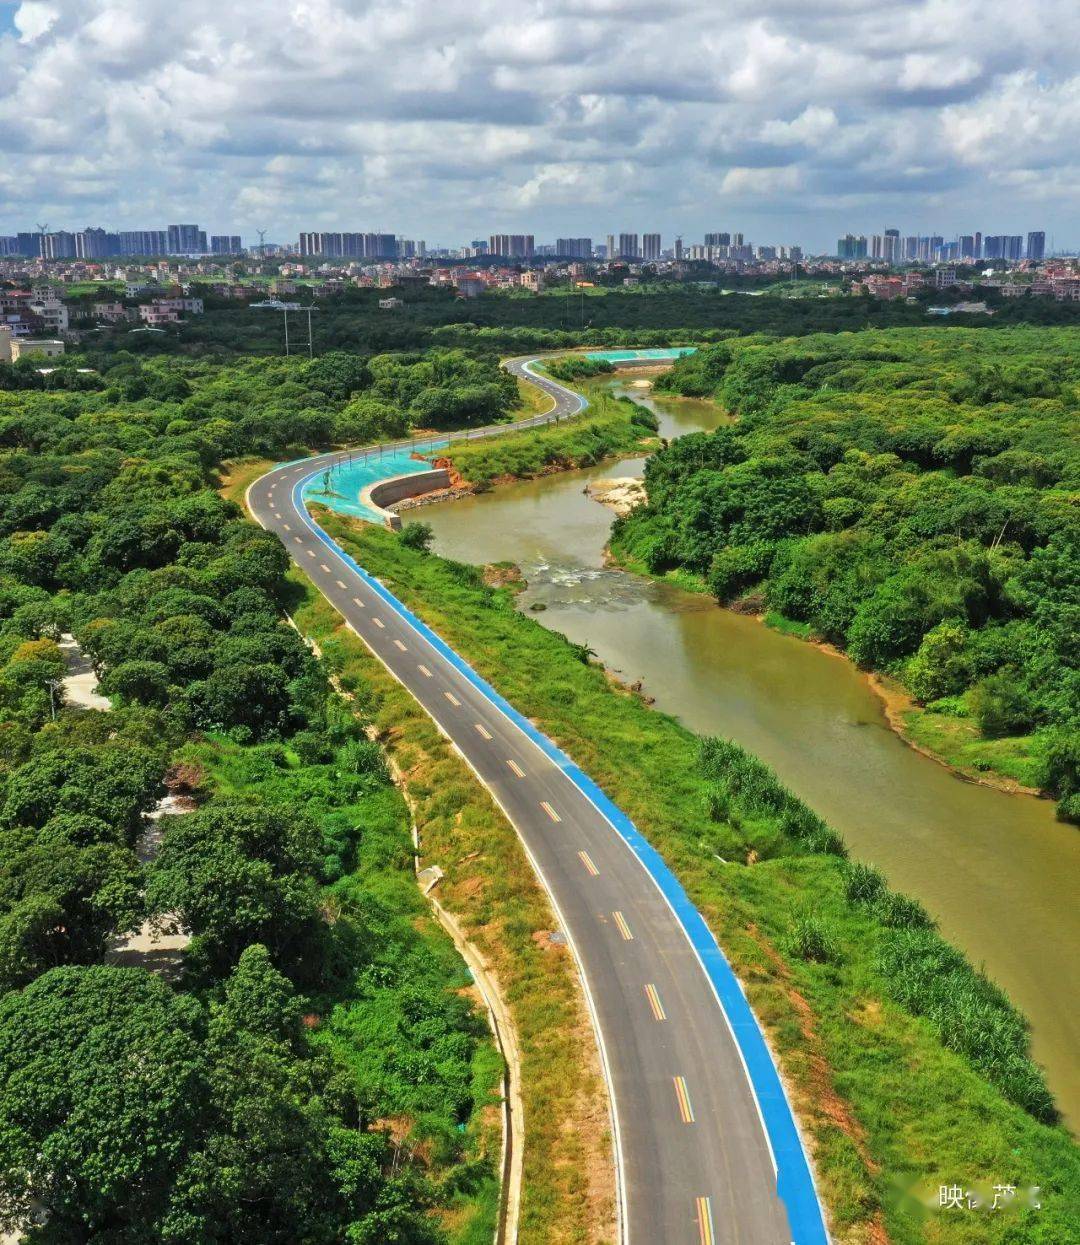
(788, 626)
(945, 729)
(610, 426)
(886, 1104)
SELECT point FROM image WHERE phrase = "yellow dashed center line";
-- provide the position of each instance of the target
(357, 601)
(424, 671)
(586, 860)
(516, 768)
(686, 1111)
(339, 583)
(484, 732)
(311, 553)
(277, 514)
(324, 567)
(654, 1002)
(706, 1236)
(398, 644)
(550, 811)
(298, 540)
(624, 929)
(452, 699)
(378, 622)
(286, 527)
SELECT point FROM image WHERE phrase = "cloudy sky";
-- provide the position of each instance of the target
(790, 120)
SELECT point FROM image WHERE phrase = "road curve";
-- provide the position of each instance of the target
(706, 1148)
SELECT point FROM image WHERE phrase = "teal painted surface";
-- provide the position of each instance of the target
(340, 487)
(627, 356)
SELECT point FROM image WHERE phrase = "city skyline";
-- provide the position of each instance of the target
(559, 119)
(95, 243)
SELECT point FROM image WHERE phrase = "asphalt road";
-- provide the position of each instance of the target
(693, 1160)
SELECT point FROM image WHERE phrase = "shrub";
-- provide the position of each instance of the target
(902, 912)
(417, 536)
(862, 883)
(811, 938)
(969, 1013)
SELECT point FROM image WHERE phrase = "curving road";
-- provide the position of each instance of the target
(706, 1148)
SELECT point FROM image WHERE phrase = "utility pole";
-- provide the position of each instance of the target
(310, 346)
(262, 242)
(285, 311)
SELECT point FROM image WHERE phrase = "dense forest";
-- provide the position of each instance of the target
(909, 495)
(314, 1072)
(516, 322)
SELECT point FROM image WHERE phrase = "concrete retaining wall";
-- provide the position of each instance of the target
(385, 493)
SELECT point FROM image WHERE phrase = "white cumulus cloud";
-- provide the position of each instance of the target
(444, 119)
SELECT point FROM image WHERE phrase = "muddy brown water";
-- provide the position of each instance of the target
(998, 871)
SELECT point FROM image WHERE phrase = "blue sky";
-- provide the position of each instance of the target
(785, 120)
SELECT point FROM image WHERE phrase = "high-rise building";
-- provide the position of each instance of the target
(59, 245)
(1036, 245)
(92, 244)
(966, 246)
(911, 247)
(650, 246)
(612, 253)
(574, 248)
(852, 246)
(28, 243)
(795, 254)
(978, 245)
(718, 239)
(225, 244)
(629, 246)
(890, 250)
(766, 252)
(512, 245)
(678, 250)
(877, 246)
(1014, 246)
(186, 240)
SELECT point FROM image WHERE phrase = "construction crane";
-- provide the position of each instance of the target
(262, 241)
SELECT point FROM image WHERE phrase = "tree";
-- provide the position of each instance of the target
(103, 1096)
(417, 536)
(235, 873)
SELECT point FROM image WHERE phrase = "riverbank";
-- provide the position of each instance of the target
(610, 426)
(945, 735)
(883, 1101)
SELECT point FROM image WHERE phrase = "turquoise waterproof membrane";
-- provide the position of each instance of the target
(634, 356)
(340, 486)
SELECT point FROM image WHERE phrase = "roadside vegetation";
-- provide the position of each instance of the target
(907, 1067)
(908, 496)
(610, 426)
(314, 1069)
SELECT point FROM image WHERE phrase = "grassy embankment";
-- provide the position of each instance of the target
(489, 888)
(610, 426)
(900, 1060)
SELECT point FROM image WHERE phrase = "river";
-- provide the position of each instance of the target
(998, 871)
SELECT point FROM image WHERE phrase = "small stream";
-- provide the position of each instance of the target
(998, 871)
